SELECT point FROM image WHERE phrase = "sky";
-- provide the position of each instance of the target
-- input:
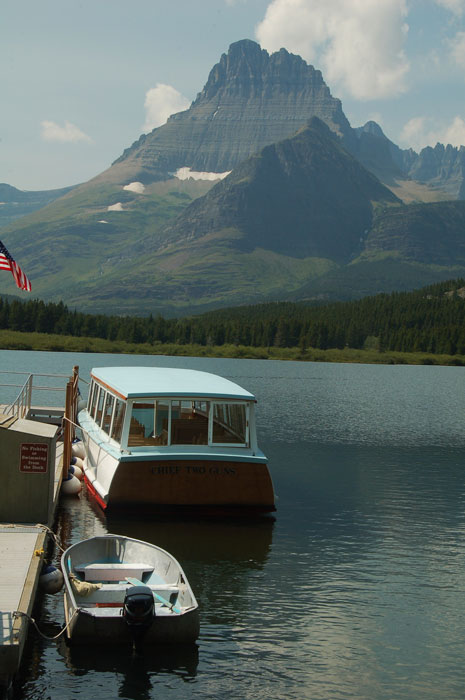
(81, 80)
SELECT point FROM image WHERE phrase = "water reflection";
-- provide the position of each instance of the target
(132, 674)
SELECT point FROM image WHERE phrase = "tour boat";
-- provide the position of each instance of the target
(169, 438)
(122, 590)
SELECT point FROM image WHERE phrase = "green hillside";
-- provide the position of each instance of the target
(76, 242)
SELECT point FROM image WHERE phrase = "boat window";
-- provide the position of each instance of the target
(108, 412)
(229, 423)
(189, 422)
(100, 404)
(162, 415)
(142, 425)
(93, 398)
(118, 420)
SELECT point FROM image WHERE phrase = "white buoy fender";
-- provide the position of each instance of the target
(76, 471)
(71, 486)
(51, 579)
(77, 462)
(77, 449)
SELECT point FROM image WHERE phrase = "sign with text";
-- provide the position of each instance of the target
(33, 458)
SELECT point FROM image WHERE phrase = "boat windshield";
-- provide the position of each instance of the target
(188, 422)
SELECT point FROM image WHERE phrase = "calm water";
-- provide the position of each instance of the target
(355, 590)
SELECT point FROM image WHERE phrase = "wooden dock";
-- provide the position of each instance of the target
(21, 555)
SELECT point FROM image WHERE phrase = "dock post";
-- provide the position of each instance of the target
(67, 437)
(70, 417)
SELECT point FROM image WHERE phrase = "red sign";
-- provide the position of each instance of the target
(33, 458)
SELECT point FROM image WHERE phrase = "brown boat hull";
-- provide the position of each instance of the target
(191, 484)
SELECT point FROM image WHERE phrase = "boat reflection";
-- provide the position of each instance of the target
(202, 540)
(221, 559)
(135, 672)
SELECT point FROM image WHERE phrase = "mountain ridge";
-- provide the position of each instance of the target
(294, 216)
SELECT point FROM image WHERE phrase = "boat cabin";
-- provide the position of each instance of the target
(146, 407)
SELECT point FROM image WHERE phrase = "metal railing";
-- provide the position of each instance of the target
(20, 407)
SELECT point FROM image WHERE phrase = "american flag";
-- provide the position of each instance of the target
(8, 263)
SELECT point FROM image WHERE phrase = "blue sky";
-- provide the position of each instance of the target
(82, 79)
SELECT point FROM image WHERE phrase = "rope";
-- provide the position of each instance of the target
(18, 613)
(52, 535)
(75, 424)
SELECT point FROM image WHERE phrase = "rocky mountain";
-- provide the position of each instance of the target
(305, 196)
(290, 213)
(251, 99)
(441, 168)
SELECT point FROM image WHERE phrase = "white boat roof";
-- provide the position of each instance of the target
(148, 382)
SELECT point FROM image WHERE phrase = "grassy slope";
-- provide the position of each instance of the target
(71, 229)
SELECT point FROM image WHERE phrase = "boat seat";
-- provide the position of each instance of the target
(112, 571)
(112, 594)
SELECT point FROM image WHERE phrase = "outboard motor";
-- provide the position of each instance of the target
(139, 611)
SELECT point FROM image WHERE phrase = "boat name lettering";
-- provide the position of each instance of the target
(175, 469)
(166, 469)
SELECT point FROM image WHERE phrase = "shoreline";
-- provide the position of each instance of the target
(16, 340)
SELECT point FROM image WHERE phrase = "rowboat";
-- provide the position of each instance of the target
(167, 438)
(119, 590)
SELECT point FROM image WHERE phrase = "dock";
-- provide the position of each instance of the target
(35, 444)
(21, 555)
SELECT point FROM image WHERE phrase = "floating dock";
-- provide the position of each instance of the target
(21, 554)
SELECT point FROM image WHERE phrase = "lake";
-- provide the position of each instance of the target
(354, 590)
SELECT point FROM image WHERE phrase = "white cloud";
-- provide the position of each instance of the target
(455, 6)
(136, 187)
(358, 44)
(422, 131)
(115, 207)
(413, 134)
(188, 174)
(69, 133)
(161, 102)
(454, 133)
(457, 48)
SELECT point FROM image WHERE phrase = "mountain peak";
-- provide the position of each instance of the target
(249, 71)
(371, 127)
(251, 99)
